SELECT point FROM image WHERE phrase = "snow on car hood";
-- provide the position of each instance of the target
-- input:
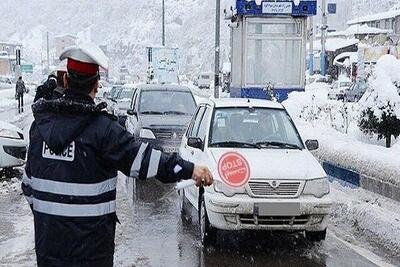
(8, 126)
(276, 163)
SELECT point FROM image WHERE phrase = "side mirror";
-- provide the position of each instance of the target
(195, 142)
(131, 112)
(312, 145)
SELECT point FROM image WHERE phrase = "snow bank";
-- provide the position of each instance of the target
(344, 150)
(368, 215)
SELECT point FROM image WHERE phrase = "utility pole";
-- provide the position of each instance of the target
(311, 47)
(48, 52)
(217, 47)
(163, 22)
(323, 37)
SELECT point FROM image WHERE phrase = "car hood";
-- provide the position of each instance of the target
(164, 120)
(276, 163)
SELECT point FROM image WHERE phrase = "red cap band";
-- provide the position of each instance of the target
(82, 67)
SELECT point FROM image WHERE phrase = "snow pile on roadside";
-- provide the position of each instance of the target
(9, 186)
(381, 89)
(343, 150)
(368, 215)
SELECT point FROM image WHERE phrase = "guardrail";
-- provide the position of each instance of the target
(356, 179)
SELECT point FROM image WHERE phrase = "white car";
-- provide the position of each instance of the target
(274, 181)
(6, 82)
(13, 146)
(338, 89)
(204, 80)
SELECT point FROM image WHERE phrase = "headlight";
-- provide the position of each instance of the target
(10, 134)
(317, 187)
(146, 133)
(228, 191)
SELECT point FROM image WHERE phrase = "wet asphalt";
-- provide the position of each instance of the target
(153, 233)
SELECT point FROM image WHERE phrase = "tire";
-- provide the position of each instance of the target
(208, 234)
(316, 236)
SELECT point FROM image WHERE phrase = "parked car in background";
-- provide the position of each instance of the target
(338, 89)
(13, 146)
(124, 99)
(286, 187)
(103, 91)
(356, 91)
(205, 80)
(112, 98)
(159, 115)
(6, 82)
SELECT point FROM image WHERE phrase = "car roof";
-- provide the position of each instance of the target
(166, 87)
(242, 102)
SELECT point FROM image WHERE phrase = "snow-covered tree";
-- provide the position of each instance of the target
(380, 106)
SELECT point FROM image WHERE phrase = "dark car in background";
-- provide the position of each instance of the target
(160, 114)
(356, 91)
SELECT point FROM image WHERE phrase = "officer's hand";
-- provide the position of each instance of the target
(202, 176)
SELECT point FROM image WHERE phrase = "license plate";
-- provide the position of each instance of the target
(277, 209)
(170, 149)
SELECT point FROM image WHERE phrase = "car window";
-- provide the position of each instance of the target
(203, 128)
(196, 124)
(126, 93)
(255, 125)
(167, 102)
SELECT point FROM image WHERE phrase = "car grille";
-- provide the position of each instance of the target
(17, 152)
(266, 189)
(274, 220)
(168, 134)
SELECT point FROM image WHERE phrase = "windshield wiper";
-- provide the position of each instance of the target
(151, 113)
(279, 144)
(174, 113)
(235, 144)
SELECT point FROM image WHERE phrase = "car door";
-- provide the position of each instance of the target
(188, 153)
(199, 156)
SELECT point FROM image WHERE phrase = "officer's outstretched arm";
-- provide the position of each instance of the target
(140, 160)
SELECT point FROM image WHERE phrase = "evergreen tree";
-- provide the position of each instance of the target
(382, 122)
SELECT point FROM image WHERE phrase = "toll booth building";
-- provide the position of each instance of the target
(268, 42)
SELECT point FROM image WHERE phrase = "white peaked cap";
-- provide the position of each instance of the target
(87, 53)
(62, 66)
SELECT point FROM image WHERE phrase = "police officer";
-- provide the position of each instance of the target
(70, 177)
(54, 86)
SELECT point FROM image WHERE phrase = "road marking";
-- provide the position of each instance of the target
(375, 259)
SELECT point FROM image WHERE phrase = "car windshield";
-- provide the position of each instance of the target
(167, 102)
(126, 93)
(254, 127)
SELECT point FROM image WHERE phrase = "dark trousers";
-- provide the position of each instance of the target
(20, 98)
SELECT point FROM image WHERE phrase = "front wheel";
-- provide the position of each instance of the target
(316, 236)
(207, 232)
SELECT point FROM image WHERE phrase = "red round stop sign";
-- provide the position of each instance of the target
(234, 169)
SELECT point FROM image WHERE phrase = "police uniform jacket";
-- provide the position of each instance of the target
(71, 176)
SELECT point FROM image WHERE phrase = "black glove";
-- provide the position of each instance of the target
(46, 90)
